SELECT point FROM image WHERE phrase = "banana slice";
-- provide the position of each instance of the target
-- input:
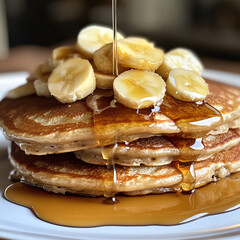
(180, 58)
(62, 54)
(186, 85)
(24, 90)
(103, 61)
(41, 88)
(41, 72)
(138, 53)
(72, 80)
(104, 81)
(139, 89)
(94, 37)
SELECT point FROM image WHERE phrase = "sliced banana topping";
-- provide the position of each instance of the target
(72, 80)
(68, 76)
(61, 54)
(186, 85)
(139, 89)
(42, 88)
(24, 90)
(94, 37)
(138, 53)
(103, 61)
(104, 81)
(41, 72)
(180, 58)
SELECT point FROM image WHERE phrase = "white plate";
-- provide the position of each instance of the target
(18, 222)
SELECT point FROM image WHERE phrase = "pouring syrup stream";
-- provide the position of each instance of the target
(114, 26)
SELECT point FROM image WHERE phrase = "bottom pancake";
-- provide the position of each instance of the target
(61, 173)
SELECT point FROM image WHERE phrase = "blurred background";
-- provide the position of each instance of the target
(30, 29)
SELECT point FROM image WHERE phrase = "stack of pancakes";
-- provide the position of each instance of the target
(95, 146)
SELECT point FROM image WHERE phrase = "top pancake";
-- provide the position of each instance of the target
(43, 125)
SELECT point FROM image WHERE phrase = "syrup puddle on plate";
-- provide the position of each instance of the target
(163, 209)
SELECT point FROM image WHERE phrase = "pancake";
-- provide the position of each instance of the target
(160, 150)
(64, 173)
(41, 125)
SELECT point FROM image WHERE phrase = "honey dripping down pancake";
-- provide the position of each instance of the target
(108, 95)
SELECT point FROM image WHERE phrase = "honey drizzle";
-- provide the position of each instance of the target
(188, 175)
(200, 115)
(111, 181)
(184, 162)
